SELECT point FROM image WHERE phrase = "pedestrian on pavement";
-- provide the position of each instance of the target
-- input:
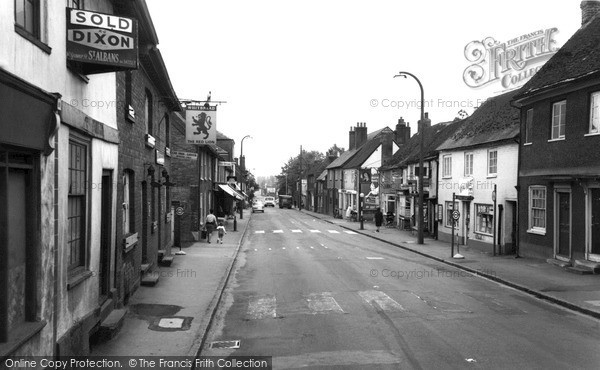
(378, 218)
(221, 232)
(211, 223)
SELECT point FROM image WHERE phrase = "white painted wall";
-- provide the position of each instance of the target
(19, 56)
(483, 185)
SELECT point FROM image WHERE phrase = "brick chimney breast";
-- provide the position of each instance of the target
(589, 9)
(352, 138)
(361, 134)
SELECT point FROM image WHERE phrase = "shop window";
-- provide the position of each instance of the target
(485, 218)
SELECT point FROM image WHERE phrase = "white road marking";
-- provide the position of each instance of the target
(296, 231)
(269, 248)
(333, 231)
(259, 232)
(297, 247)
(381, 299)
(262, 308)
(341, 359)
(312, 247)
(323, 303)
(256, 250)
(374, 258)
(350, 232)
(283, 248)
(277, 231)
(315, 231)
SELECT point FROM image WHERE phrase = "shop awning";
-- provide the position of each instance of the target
(229, 190)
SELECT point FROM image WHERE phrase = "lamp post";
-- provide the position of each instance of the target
(421, 145)
(360, 210)
(494, 220)
(243, 165)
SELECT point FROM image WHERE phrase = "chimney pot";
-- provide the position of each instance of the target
(589, 9)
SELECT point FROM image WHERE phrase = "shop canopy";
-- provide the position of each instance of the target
(229, 190)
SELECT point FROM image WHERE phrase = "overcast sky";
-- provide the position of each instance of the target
(302, 72)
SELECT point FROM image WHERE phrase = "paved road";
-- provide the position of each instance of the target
(312, 295)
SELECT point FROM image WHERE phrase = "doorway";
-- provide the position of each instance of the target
(562, 224)
(105, 236)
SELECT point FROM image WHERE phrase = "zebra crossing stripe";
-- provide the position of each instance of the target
(259, 232)
(333, 231)
(350, 232)
(296, 231)
(315, 231)
(262, 308)
(381, 300)
(277, 231)
(322, 303)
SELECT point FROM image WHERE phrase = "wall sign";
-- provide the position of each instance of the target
(101, 42)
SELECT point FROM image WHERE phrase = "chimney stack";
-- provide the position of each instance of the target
(361, 134)
(402, 132)
(426, 121)
(352, 136)
(387, 146)
(589, 9)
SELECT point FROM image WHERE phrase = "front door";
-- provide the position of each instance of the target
(563, 225)
(105, 235)
(594, 251)
(466, 213)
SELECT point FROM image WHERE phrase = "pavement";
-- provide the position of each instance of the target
(173, 317)
(580, 293)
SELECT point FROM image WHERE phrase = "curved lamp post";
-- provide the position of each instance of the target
(243, 173)
(421, 145)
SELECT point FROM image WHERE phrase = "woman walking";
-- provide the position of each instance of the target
(211, 223)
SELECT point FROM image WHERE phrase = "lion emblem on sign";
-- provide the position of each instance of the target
(202, 123)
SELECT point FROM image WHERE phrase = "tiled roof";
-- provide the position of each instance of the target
(221, 136)
(495, 120)
(577, 58)
(343, 158)
(434, 136)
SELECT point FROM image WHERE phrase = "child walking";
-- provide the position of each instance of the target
(221, 232)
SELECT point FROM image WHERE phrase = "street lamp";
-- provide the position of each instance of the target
(243, 165)
(360, 210)
(421, 145)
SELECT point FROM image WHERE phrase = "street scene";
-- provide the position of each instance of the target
(284, 185)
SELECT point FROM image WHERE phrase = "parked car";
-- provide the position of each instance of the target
(269, 202)
(258, 206)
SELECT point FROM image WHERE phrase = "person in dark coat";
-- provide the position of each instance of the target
(378, 218)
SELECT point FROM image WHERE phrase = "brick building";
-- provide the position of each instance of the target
(147, 102)
(559, 166)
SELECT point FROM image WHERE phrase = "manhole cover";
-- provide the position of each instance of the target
(171, 323)
(225, 344)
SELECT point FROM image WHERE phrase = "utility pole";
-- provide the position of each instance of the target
(300, 192)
